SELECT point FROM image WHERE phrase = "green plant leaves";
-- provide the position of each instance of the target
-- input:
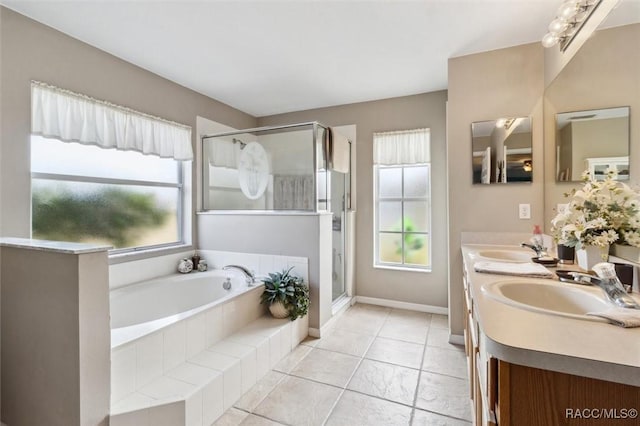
(288, 289)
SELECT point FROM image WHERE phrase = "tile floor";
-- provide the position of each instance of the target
(377, 366)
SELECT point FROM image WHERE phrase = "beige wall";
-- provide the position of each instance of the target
(486, 86)
(425, 110)
(31, 50)
(605, 73)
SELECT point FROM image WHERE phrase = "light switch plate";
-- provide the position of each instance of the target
(524, 211)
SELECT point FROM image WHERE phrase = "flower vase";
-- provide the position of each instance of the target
(591, 255)
(278, 310)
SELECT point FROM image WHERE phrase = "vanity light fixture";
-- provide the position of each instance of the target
(570, 17)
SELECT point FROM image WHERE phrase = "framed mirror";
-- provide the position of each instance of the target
(593, 140)
(502, 150)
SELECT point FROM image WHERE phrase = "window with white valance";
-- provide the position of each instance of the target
(73, 117)
(402, 199)
(102, 173)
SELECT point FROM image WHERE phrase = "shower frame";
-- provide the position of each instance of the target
(315, 126)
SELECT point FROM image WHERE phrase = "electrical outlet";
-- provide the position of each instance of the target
(524, 211)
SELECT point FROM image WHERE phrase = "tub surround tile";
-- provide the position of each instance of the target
(345, 341)
(168, 415)
(328, 367)
(167, 388)
(386, 381)
(396, 352)
(193, 374)
(196, 335)
(451, 362)
(123, 372)
(175, 345)
(214, 328)
(134, 401)
(297, 401)
(193, 409)
(213, 400)
(134, 418)
(425, 418)
(444, 395)
(232, 373)
(149, 358)
(357, 409)
(263, 387)
(247, 355)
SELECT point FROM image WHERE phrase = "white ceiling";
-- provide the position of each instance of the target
(268, 57)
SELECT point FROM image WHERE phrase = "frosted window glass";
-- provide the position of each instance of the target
(416, 216)
(390, 216)
(390, 182)
(416, 182)
(390, 247)
(122, 216)
(416, 249)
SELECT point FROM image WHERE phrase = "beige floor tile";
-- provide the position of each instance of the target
(406, 331)
(397, 352)
(451, 362)
(444, 395)
(259, 391)
(425, 418)
(291, 360)
(310, 341)
(439, 321)
(346, 342)
(231, 417)
(252, 420)
(414, 317)
(439, 338)
(297, 401)
(386, 381)
(365, 307)
(355, 409)
(366, 322)
(328, 367)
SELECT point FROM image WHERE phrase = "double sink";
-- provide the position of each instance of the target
(539, 295)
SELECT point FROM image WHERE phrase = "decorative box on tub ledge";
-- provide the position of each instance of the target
(629, 253)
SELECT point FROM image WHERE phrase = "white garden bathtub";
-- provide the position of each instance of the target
(143, 308)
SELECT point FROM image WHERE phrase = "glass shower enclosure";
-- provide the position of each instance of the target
(279, 168)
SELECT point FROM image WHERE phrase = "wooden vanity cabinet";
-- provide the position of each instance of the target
(508, 394)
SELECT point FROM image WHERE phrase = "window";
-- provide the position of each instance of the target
(402, 200)
(106, 174)
(84, 193)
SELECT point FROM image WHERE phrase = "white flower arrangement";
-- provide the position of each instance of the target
(599, 214)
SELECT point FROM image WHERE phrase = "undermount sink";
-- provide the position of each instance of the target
(550, 297)
(505, 255)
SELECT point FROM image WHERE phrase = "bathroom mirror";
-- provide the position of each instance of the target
(592, 140)
(502, 150)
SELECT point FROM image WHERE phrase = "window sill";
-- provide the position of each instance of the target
(403, 269)
(148, 253)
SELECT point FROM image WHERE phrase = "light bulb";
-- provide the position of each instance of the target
(550, 40)
(558, 25)
(500, 122)
(567, 10)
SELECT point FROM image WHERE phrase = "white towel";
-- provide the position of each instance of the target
(623, 317)
(533, 270)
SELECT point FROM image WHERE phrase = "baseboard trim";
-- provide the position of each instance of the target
(403, 305)
(456, 339)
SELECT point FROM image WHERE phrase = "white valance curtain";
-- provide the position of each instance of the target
(72, 117)
(402, 147)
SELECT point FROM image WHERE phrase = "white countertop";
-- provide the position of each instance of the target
(53, 246)
(574, 346)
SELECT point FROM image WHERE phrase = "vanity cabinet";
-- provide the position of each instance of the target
(505, 393)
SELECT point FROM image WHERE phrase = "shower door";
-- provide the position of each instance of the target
(338, 182)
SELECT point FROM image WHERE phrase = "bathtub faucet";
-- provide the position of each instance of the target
(249, 277)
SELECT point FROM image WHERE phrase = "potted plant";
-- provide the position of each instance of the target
(599, 214)
(286, 295)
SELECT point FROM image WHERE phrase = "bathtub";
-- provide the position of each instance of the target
(143, 308)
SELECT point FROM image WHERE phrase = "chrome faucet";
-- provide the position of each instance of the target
(249, 277)
(611, 287)
(540, 250)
